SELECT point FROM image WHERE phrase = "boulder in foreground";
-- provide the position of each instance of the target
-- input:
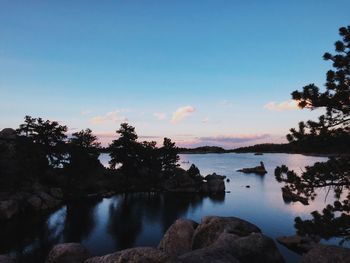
(216, 239)
(298, 243)
(68, 253)
(212, 227)
(178, 238)
(327, 254)
(6, 259)
(135, 255)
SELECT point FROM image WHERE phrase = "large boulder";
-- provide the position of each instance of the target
(181, 183)
(254, 248)
(214, 183)
(212, 227)
(47, 200)
(8, 208)
(135, 255)
(212, 254)
(327, 254)
(34, 202)
(178, 238)
(8, 134)
(298, 243)
(216, 186)
(214, 176)
(68, 253)
(6, 259)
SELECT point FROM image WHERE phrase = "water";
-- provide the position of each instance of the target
(141, 219)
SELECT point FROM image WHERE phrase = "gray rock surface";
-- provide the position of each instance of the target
(298, 243)
(68, 253)
(327, 254)
(216, 186)
(6, 259)
(178, 238)
(255, 170)
(8, 134)
(254, 248)
(212, 227)
(135, 255)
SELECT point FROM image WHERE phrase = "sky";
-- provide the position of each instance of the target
(200, 72)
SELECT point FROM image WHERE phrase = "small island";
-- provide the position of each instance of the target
(260, 170)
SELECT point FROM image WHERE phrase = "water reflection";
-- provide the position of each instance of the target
(127, 216)
(80, 220)
(140, 219)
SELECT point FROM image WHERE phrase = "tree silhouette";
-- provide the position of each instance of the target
(124, 150)
(169, 155)
(84, 152)
(48, 135)
(331, 130)
(149, 160)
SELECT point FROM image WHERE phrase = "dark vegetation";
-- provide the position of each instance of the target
(331, 131)
(39, 157)
(312, 146)
(203, 149)
(39, 151)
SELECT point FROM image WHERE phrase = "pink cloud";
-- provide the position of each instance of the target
(182, 113)
(282, 106)
(113, 116)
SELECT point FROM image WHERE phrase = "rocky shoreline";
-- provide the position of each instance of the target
(214, 239)
(37, 198)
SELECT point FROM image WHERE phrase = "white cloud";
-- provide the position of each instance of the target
(282, 106)
(160, 115)
(113, 116)
(182, 113)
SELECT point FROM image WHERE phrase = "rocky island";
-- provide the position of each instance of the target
(260, 169)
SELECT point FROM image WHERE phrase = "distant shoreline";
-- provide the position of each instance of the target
(302, 153)
(261, 149)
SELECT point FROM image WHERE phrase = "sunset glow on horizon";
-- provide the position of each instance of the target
(199, 72)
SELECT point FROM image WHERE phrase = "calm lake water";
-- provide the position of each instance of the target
(141, 219)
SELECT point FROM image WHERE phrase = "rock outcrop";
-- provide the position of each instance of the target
(68, 253)
(183, 183)
(215, 239)
(212, 227)
(298, 243)
(253, 248)
(214, 183)
(39, 198)
(178, 238)
(255, 170)
(327, 254)
(6, 259)
(135, 255)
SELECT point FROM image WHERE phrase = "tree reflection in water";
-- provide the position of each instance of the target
(31, 237)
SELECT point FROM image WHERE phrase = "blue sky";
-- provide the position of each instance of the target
(200, 72)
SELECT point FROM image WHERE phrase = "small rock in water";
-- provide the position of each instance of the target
(255, 170)
(247, 186)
